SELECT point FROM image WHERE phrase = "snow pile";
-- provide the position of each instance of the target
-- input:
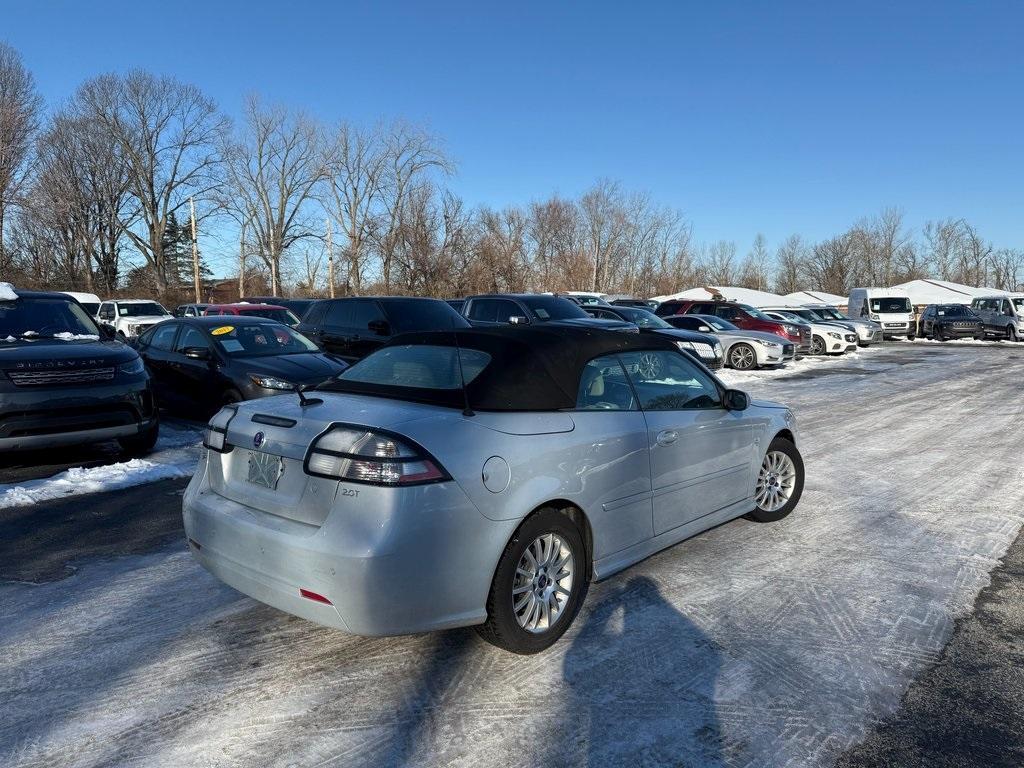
(7, 292)
(923, 292)
(816, 297)
(175, 455)
(66, 336)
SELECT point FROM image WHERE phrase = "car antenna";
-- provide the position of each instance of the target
(303, 400)
(466, 411)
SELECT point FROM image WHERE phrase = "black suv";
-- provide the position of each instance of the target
(951, 321)
(352, 328)
(533, 309)
(63, 381)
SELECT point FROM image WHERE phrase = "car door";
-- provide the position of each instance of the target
(332, 335)
(156, 347)
(611, 458)
(197, 380)
(927, 321)
(701, 453)
(362, 336)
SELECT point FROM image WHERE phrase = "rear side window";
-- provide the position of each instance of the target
(315, 314)
(420, 366)
(603, 387)
(339, 314)
(667, 308)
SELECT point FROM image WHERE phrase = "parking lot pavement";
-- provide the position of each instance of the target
(750, 645)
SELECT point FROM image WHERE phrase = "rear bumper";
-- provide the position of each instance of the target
(422, 560)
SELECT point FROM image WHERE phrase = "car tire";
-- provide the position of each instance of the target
(505, 626)
(939, 336)
(742, 357)
(1011, 334)
(142, 443)
(781, 454)
(818, 346)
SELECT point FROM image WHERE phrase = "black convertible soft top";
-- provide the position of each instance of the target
(531, 369)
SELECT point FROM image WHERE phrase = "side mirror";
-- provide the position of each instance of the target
(197, 353)
(735, 400)
(380, 327)
(518, 320)
(704, 329)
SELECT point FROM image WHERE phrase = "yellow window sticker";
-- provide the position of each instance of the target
(222, 330)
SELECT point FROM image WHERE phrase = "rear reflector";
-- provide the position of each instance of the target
(314, 596)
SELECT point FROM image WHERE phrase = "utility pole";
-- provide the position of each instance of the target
(330, 259)
(241, 262)
(195, 253)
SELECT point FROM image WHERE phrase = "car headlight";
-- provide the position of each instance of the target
(874, 317)
(795, 330)
(769, 344)
(836, 336)
(132, 367)
(718, 349)
(270, 382)
(217, 430)
(685, 345)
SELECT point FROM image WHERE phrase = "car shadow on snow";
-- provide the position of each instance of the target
(640, 686)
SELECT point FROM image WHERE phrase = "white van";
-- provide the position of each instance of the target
(889, 307)
(90, 301)
(1002, 316)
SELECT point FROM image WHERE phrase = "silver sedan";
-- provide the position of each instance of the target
(481, 478)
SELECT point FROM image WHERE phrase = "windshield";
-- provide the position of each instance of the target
(420, 366)
(890, 304)
(830, 313)
(553, 308)
(142, 309)
(718, 323)
(260, 340)
(642, 318)
(29, 318)
(281, 315)
(954, 310)
(757, 313)
(802, 314)
(1018, 304)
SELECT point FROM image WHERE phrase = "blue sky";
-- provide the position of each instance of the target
(750, 117)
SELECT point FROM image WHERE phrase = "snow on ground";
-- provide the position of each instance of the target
(175, 455)
(749, 645)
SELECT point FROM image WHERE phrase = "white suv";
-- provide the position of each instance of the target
(127, 318)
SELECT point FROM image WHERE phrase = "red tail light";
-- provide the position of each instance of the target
(372, 456)
(316, 598)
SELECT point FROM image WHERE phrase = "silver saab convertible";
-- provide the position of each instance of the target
(481, 477)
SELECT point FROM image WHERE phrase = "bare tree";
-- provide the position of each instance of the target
(1007, 269)
(719, 261)
(603, 220)
(19, 119)
(356, 162)
(754, 269)
(273, 171)
(790, 265)
(169, 134)
(412, 153)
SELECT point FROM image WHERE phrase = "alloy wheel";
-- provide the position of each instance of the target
(543, 583)
(775, 481)
(741, 357)
(817, 346)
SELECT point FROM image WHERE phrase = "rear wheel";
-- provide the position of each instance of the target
(742, 357)
(817, 346)
(539, 584)
(780, 482)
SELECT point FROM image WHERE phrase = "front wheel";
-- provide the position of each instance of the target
(780, 482)
(817, 346)
(539, 584)
(742, 357)
(1011, 334)
(142, 443)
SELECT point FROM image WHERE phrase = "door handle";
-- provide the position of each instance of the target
(667, 437)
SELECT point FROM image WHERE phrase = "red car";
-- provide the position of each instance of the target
(269, 311)
(741, 315)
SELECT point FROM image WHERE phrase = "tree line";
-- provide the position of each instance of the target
(97, 196)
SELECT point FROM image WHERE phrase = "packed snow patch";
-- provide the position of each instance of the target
(175, 455)
(66, 336)
(7, 292)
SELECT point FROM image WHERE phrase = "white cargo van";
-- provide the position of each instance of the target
(90, 301)
(889, 307)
